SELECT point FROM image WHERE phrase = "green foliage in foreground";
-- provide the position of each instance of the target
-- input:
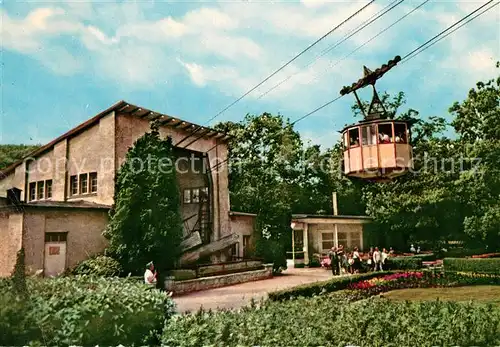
(334, 321)
(83, 311)
(100, 265)
(474, 265)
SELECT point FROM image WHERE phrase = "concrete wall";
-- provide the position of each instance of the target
(11, 228)
(94, 151)
(14, 179)
(84, 229)
(184, 287)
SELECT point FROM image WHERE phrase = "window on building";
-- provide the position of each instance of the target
(204, 194)
(187, 196)
(40, 190)
(327, 240)
(73, 184)
(354, 137)
(385, 133)
(56, 237)
(346, 142)
(48, 189)
(369, 135)
(342, 239)
(355, 239)
(32, 191)
(84, 184)
(93, 182)
(195, 195)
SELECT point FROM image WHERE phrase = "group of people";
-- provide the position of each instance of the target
(352, 262)
(382, 138)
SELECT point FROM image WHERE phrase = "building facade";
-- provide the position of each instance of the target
(315, 235)
(63, 191)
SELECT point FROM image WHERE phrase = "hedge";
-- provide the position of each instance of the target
(474, 265)
(330, 320)
(316, 288)
(425, 257)
(82, 310)
(404, 263)
(461, 252)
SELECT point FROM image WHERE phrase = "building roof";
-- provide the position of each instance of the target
(312, 216)
(128, 109)
(79, 204)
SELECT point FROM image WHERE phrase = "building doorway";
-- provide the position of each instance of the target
(55, 254)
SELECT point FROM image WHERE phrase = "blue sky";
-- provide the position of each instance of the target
(65, 61)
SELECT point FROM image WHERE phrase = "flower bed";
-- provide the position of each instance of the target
(394, 281)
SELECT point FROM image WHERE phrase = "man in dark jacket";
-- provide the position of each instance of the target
(334, 261)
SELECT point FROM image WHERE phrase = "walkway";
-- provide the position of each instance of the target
(240, 295)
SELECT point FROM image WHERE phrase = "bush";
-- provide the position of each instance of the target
(474, 265)
(85, 310)
(17, 323)
(471, 278)
(404, 263)
(311, 289)
(334, 320)
(376, 322)
(272, 251)
(314, 262)
(100, 265)
(426, 256)
(461, 252)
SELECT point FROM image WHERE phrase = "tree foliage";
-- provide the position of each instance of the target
(145, 223)
(9, 154)
(453, 192)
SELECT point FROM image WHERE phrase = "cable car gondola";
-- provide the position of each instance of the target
(376, 148)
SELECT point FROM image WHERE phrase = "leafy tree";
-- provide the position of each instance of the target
(453, 192)
(265, 159)
(477, 122)
(477, 117)
(9, 154)
(145, 222)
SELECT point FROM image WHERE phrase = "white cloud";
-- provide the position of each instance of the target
(233, 45)
(196, 72)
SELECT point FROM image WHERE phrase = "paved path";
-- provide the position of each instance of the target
(239, 295)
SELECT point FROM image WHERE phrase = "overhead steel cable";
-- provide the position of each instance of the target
(353, 32)
(417, 50)
(374, 37)
(279, 69)
(413, 54)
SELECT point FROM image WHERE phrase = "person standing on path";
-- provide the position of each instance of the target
(377, 259)
(340, 258)
(334, 262)
(150, 274)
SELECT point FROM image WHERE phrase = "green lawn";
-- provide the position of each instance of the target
(474, 293)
